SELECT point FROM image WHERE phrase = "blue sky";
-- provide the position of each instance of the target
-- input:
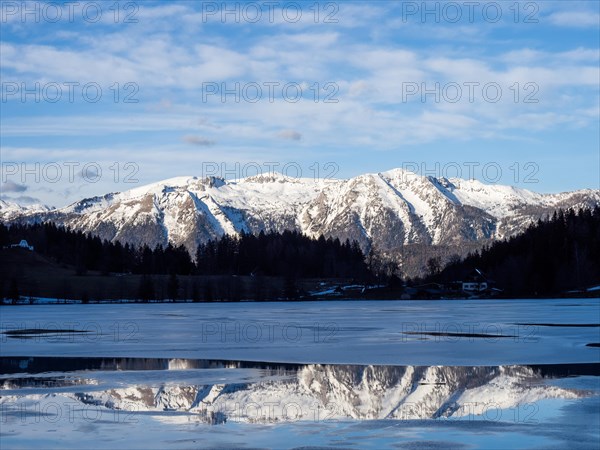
(513, 92)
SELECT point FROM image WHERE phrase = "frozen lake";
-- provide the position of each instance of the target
(476, 332)
(409, 374)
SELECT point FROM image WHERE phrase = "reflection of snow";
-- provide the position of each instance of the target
(179, 364)
(323, 392)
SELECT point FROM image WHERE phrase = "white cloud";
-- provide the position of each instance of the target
(578, 19)
(290, 135)
(11, 186)
(198, 140)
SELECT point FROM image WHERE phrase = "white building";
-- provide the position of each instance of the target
(23, 244)
(474, 286)
(477, 282)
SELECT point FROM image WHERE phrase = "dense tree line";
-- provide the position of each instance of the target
(287, 254)
(86, 252)
(552, 256)
(281, 254)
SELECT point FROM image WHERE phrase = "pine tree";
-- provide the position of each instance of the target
(13, 291)
(173, 287)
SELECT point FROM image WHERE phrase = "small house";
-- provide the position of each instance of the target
(23, 244)
(476, 282)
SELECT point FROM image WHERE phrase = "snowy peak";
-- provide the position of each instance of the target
(10, 210)
(271, 177)
(497, 200)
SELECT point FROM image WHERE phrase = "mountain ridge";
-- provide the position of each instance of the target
(386, 210)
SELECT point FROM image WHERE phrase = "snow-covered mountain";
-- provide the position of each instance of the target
(12, 210)
(389, 210)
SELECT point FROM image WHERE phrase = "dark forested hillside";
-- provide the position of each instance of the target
(272, 254)
(552, 256)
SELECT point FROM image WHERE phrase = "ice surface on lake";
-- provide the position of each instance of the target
(477, 332)
(468, 374)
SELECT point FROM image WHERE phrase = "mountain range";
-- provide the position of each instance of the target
(391, 211)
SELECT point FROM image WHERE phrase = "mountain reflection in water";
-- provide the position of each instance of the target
(275, 392)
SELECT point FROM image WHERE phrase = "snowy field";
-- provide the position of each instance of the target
(426, 374)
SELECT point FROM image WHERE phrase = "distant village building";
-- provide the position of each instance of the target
(23, 244)
(474, 286)
(476, 282)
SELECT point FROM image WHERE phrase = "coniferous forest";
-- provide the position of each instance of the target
(551, 257)
(270, 254)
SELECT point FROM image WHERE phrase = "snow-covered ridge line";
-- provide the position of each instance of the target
(388, 209)
(10, 210)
